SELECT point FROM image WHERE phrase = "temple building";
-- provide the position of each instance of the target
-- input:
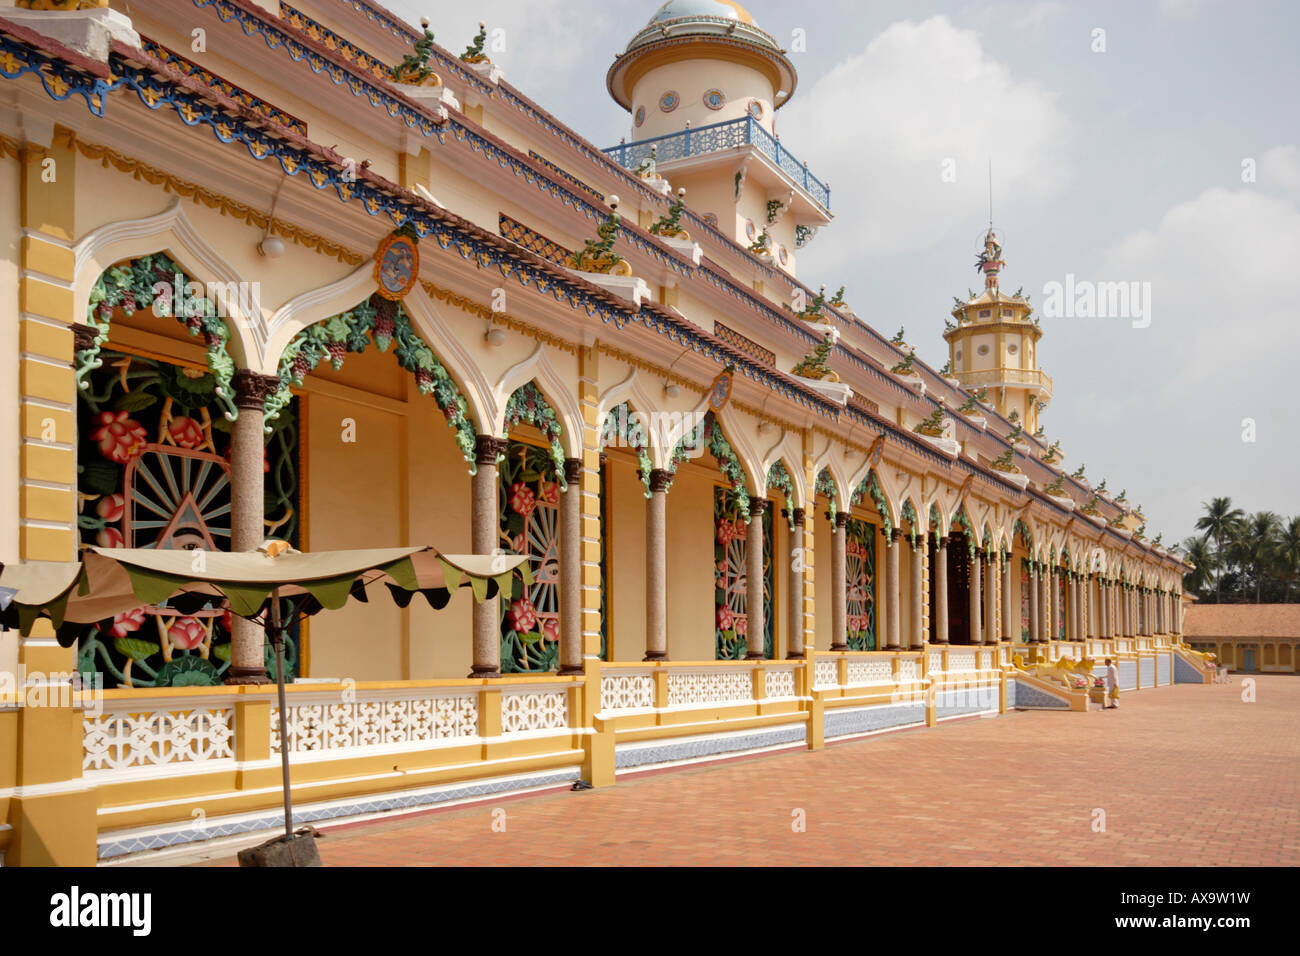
(308, 272)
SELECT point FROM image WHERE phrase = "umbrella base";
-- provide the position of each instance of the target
(299, 851)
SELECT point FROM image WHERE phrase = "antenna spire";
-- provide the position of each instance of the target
(990, 192)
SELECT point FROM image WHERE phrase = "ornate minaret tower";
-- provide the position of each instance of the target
(994, 344)
(703, 83)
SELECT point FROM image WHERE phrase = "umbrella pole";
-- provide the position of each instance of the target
(277, 640)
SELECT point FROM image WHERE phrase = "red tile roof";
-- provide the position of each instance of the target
(1242, 620)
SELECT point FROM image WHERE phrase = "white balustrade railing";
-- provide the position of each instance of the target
(135, 734)
(907, 669)
(711, 686)
(626, 691)
(961, 660)
(376, 719)
(779, 682)
(870, 672)
(826, 672)
(530, 709)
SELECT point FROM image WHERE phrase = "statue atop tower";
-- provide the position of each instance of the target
(994, 343)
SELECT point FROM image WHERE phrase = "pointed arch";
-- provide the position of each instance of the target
(789, 453)
(870, 486)
(561, 398)
(379, 322)
(825, 484)
(157, 282)
(171, 233)
(624, 428)
(907, 514)
(743, 450)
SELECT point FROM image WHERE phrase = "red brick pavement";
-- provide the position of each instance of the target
(1186, 775)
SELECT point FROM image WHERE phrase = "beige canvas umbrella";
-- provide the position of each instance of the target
(111, 581)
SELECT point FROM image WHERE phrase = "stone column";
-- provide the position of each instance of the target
(976, 629)
(918, 596)
(941, 592)
(1072, 591)
(247, 511)
(839, 585)
(1089, 609)
(794, 599)
(991, 597)
(893, 593)
(1103, 594)
(1035, 586)
(571, 569)
(1010, 620)
(1051, 607)
(754, 580)
(484, 539)
(656, 567)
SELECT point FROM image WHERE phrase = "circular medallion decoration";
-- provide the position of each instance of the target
(397, 266)
(720, 390)
(756, 109)
(983, 350)
(750, 232)
(715, 99)
(640, 115)
(668, 102)
(1011, 349)
(785, 256)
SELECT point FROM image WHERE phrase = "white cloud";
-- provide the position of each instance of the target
(1279, 169)
(1222, 271)
(882, 123)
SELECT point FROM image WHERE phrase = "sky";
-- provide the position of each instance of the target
(1151, 143)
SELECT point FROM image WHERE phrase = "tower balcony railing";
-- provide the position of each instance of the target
(1006, 376)
(716, 137)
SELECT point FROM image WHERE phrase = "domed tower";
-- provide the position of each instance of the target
(703, 84)
(994, 344)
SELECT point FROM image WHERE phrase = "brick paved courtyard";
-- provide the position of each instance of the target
(1186, 775)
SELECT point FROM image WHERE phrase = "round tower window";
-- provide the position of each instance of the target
(1012, 350)
(640, 115)
(750, 232)
(785, 256)
(668, 102)
(715, 99)
(983, 350)
(756, 109)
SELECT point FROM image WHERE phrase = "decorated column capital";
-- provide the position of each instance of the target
(756, 507)
(487, 448)
(83, 337)
(660, 479)
(572, 470)
(252, 389)
(841, 520)
(798, 517)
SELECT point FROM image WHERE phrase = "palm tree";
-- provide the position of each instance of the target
(1262, 530)
(1238, 556)
(1288, 554)
(1198, 551)
(1218, 521)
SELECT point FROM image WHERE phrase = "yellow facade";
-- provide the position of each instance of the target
(364, 455)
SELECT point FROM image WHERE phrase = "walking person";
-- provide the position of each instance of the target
(1112, 685)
